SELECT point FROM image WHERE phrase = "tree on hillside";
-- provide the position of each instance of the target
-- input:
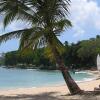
(47, 19)
(88, 51)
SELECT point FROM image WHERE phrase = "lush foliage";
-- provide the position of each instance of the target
(80, 55)
(30, 59)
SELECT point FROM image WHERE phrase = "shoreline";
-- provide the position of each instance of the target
(89, 84)
(54, 92)
(57, 92)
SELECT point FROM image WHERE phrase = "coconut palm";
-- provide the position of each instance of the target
(47, 20)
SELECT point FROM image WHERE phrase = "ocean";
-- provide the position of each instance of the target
(26, 78)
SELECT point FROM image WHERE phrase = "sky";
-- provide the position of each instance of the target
(85, 18)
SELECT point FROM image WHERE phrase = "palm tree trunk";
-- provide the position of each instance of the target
(72, 85)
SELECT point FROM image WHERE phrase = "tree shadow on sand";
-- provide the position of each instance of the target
(43, 96)
(88, 95)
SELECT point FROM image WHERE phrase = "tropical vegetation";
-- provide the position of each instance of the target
(47, 19)
(80, 55)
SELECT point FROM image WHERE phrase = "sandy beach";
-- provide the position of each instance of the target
(58, 92)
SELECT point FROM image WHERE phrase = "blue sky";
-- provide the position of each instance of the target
(85, 17)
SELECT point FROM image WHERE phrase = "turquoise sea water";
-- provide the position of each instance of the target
(23, 78)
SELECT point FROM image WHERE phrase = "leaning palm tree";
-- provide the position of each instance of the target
(47, 20)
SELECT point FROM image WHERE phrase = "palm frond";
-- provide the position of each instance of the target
(9, 18)
(54, 42)
(31, 40)
(49, 15)
(10, 35)
(60, 25)
(49, 54)
(16, 10)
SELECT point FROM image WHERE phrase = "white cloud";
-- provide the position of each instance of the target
(78, 31)
(84, 13)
